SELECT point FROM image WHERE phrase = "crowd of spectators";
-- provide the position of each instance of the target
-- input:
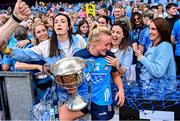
(144, 39)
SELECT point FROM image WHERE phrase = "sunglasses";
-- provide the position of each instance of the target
(137, 19)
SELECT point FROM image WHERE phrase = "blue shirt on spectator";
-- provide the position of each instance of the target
(144, 39)
(7, 59)
(176, 34)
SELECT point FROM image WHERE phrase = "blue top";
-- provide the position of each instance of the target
(144, 39)
(7, 59)
(129, 11)
(158, 63)
(176, 34)
(136, 34)
(0, 60)
(75, 27)
(30, 36)
(125, 59)
(50, 32)
(100, 78)
(41, 51)
(86, 39)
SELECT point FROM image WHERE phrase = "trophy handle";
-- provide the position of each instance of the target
(88, 77)
(51, 74)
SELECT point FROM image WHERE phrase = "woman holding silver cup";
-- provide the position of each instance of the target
(62, 44)
(99, 43)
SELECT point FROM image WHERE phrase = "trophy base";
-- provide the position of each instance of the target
(76, 103)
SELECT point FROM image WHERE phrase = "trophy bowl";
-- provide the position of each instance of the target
(69, 74)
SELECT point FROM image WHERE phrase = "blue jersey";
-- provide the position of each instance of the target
(100, 78)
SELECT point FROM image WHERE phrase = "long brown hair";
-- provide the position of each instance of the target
(133, 19)
(163, 28)
(82, 22)
(54, 51)
(125, 41)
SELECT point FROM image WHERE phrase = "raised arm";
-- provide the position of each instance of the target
(21, 12)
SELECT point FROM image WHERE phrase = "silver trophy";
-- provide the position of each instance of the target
(69, 74)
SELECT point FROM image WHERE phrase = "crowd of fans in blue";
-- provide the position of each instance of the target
(130, 41)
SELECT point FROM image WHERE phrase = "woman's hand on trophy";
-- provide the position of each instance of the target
(43, 68)
(121, 98)
(46, 69)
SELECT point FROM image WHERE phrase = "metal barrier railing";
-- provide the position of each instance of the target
(19, 94)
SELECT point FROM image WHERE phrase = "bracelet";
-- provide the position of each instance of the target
(30, 41)
(16, 19)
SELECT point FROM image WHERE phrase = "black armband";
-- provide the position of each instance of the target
(16, 19)
(30, 40)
